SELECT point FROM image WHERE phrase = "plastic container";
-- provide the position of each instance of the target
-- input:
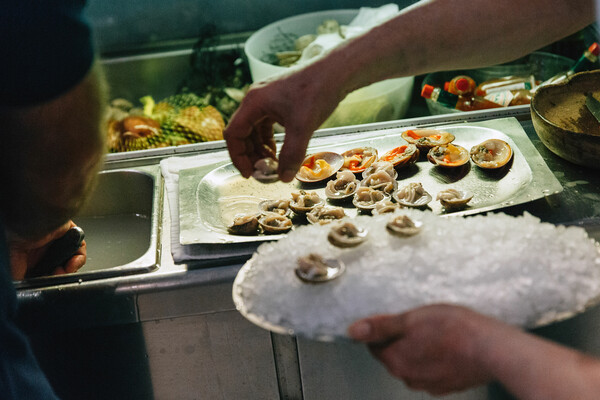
(542, 65)
(382, 101)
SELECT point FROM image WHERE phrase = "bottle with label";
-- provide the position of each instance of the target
(504, 84)
(506, 98)
(460, 85)
(463, 103)
(586, 62)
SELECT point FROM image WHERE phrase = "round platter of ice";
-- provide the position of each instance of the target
(517, 269)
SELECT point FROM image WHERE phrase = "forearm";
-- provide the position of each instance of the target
(534, 368)
(50, 156)
(435, 35)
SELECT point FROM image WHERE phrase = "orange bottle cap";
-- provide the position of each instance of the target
(446, 86)
(427, 91)
(594, 49)
(462, 84)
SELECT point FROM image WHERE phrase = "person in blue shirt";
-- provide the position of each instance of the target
(52, 99)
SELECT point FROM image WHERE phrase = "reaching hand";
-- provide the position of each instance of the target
(299, 101)
(433, 348)
(25, 254)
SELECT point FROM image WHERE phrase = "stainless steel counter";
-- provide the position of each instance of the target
(187, 341)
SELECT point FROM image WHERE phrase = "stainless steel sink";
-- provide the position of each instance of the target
(121, 222)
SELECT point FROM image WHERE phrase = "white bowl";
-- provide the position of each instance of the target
(382, 101)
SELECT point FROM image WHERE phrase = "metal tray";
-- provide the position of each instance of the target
(211, 195)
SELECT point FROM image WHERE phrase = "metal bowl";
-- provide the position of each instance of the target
(563, 122)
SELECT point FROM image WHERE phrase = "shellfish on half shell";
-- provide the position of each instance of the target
(453, 199)
(346, 234)
(322, 214)
(344, 186)
(265, 170)
(316, 269)
(366, 197)
(402, 156)
(380, 180)
(425, 139)
(302, 201)
(244, 224)
(491, 154)
(281, 207)
(385, 207)
(377, 166)
(448, 155)
(319, 166)
(412, 195)
(403, 226)
(274, 223)
(359, 159)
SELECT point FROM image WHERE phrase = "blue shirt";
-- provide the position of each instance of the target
(46, 50)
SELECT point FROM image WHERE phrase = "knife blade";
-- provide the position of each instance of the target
(593, 105)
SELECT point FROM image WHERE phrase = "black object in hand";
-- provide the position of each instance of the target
(58, 253)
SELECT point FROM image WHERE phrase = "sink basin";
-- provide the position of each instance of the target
(121, 223)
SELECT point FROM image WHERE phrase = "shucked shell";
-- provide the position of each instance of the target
(316, 269)
(244, 225)
(325, 214)
(412, 195)
(265, 170)
(303, 202)
(281, 207)
(342, 187)
(366, 197)
(377, 166)
(319, 166)
(402, 156)
(346, 234)
(491, 154)
(403, 226)
(380, 180)
(359, 159)
(274, 223)
(453, 199)
(425, 139)
(448, 155)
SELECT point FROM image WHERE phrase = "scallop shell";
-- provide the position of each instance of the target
(274, 223)
(302, 202)
(491, 154)
(343, 187)
(453, 199)
(366, 197)
(359, 159)
(402, 156)
(412, 195)
(325, 214)
(425, 139)
(346, 234)
(448, 155)
(319, 166)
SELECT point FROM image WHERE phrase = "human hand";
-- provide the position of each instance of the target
(299, 101)
(432, 348)
(25, 254)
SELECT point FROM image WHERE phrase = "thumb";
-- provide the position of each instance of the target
(379, 328)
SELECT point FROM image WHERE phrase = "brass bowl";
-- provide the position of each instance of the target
(563, 122)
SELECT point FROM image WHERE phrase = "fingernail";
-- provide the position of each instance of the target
(287, 175)
(360, 330)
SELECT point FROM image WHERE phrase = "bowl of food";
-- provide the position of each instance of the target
(537, 66)
(274, 49)
(564, 122)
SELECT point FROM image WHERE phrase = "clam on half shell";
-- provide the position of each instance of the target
(448, 155)
(359, 159)
(346, 234)
(491, 154)
(303, 202)
(366, 198)
(319, 166)
(453, 199)
(402, 156)
(412, 195)
(426, 139)
(274, 223)
(265, 170)
(244, 224)
(342, 187)
(322, 214)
